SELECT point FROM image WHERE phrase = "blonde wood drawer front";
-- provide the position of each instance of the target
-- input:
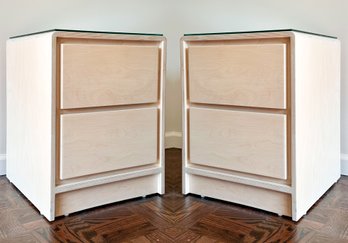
(248, 142)
(108, 74)
(238, 74)
(107, 140)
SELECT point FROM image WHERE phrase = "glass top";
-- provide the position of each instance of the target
(260, 31)
(86, 31)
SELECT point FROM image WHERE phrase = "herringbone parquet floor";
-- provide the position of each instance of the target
(173, 218)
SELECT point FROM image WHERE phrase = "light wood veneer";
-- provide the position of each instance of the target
(112, 73)
(233, 140)
(103, 141)
(261, 118)
(241, 74)
(86, 119)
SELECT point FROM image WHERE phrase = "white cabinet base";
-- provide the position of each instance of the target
(265, 199)
(76, 200)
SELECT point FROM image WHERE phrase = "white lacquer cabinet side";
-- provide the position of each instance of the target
(162, 75)
(183, 70)
(30, 118)
(316, 119)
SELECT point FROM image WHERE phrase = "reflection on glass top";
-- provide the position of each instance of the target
(86, 31)
(260, 31)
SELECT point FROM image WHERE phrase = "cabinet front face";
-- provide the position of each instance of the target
(101, 141)
(248, 142)
(106, 73)
(238, 73)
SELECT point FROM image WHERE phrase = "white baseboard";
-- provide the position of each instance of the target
(173, 140)
(344, 164)
(2, 164)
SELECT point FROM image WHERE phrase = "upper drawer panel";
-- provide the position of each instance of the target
(108, 74)
(238, 74)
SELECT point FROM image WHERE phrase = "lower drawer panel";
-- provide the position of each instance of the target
(97, 142)
(77, 200)
(243, 141)
(272, 201)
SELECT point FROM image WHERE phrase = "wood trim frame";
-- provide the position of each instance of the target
(97, 179)
(283, 37)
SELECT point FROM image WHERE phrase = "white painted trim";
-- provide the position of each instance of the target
(344, 164)
(2, 164)
(173, 139)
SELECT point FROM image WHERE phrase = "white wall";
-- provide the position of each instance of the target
(173, 19)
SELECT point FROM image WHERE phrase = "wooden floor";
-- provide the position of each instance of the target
(174, 218)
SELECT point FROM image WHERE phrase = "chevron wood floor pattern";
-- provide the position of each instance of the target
(174, 218)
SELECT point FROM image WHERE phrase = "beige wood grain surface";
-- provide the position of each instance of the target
(249, 142)
(78, 200)
(316, 124)
(238, 74)
(108, 74)
(268, 200)
(30, 119)
(108, 140)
